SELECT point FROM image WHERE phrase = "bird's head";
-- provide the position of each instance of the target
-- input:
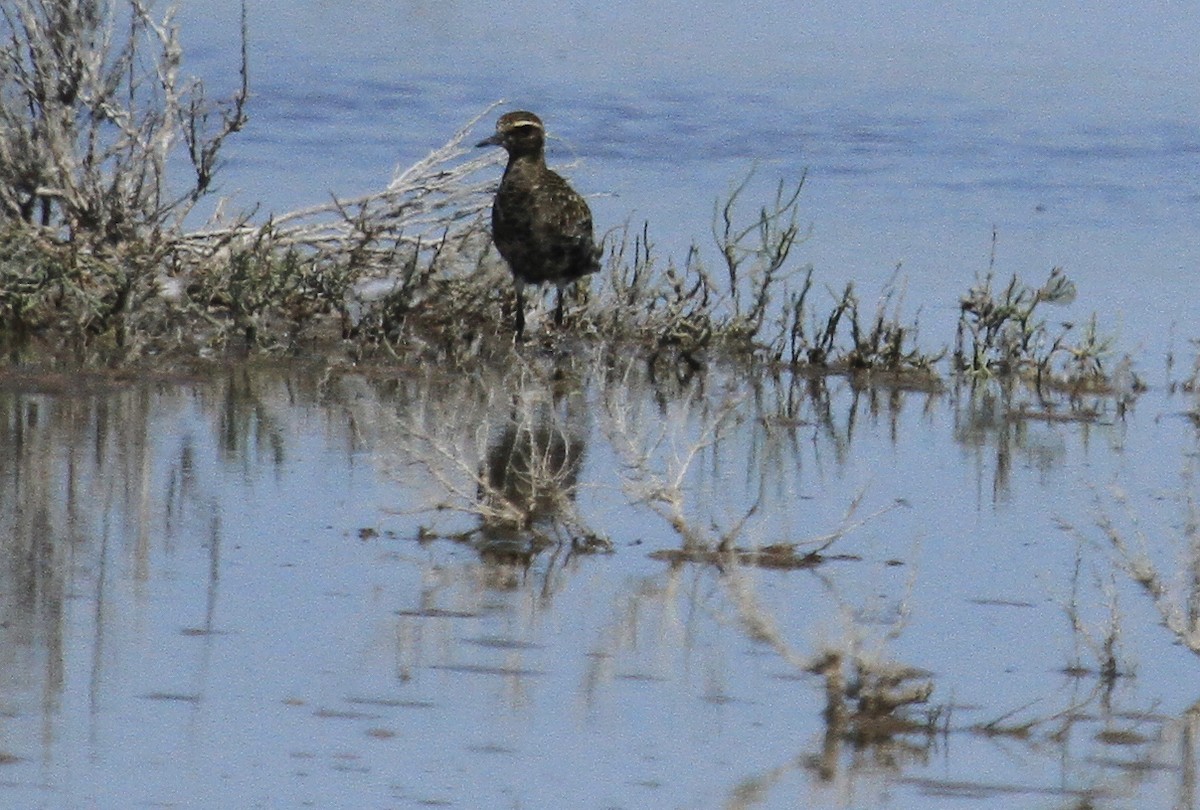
(519, 132)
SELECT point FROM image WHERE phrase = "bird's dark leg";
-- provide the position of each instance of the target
(558, 309)
(519, 326)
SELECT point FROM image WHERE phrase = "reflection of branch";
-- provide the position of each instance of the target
(848, 525)
(756, 619)
(1103, 650)
(660, 483)
(1176, 603)
(663, 489)
(656, 463)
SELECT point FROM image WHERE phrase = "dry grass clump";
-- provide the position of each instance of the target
(692, 308)
(754, 265)
(93, 109)
(876, 342)
(756, 304)
(94, 112)
(1002, 332)
(381, 266)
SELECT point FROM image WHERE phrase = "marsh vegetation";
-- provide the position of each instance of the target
(696, 430)
(108, 145)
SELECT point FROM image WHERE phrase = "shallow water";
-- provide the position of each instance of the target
(231, 588)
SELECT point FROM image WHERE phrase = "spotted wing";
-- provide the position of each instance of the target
(566, 215)
(543, 228)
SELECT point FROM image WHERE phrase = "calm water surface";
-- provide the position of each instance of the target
(273, 587)
(233, 588)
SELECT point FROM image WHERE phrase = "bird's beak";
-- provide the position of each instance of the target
(492, 141)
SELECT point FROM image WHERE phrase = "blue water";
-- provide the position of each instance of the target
(214, 594)
(210, 628)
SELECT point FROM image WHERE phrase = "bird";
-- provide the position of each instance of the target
(541, 226)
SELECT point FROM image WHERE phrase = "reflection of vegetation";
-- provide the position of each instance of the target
(517, 468)
(871, 708)
(528, 482)
(84, 485)
(658, 456)
(869, 702)
(510, 458)
(519, 447)
(1007, 421)
(1106, 747)
(248, 422)
(1173, 588)
(1129, 742)
(870, 727)
(67, 438)
(530, 469)
(1098, 638)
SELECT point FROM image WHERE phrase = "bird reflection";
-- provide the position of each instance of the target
(528, 479)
